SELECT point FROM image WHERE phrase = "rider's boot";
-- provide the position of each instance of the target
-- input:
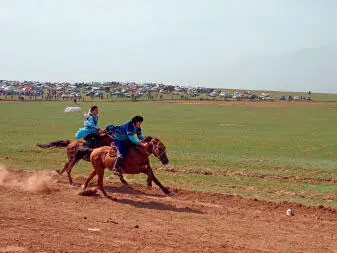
(89, 144)
(89, 141)
(93, 141)
(116, 168)
(86, 143)
(92, 144)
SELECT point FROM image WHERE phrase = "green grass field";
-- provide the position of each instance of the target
(271, 151)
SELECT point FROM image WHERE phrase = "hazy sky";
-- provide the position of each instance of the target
(179, 42)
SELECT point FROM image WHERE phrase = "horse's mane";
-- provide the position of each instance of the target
(148, 139)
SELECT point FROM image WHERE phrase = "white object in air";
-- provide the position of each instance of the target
(73, 109)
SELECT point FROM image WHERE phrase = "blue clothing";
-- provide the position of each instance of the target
(124, 136)
(123, 147)
(110, 129)
(90, 127)
(127, 132)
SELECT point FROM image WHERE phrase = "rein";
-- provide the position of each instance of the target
(110, 136)
(154, 152)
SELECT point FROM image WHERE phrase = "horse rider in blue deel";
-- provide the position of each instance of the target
(90, 131)
(124, 138)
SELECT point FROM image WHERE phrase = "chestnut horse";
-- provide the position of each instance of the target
(137, 161)
(73, 154)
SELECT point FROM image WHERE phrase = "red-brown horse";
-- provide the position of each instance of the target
(73, 154)
(137, 161)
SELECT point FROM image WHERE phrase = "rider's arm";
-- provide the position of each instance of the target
(131, 134)
(139, 134)
(133, 139)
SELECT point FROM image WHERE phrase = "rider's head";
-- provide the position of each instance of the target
(94, 110)
(137, 121)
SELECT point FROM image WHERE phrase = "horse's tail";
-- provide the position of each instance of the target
(55, 144)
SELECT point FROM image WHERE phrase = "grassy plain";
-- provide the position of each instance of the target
(273, 151)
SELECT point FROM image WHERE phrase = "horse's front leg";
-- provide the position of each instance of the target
(147, 170)
(100, 186)
(155, 180)
(149, 181)
(91, 175)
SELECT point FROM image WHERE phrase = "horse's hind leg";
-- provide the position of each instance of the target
(60, 172)
(70, 166)
(66, 168)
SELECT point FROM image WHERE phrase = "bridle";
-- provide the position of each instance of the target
(155, 152)
(158, 150)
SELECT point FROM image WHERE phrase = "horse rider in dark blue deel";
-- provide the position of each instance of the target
(125, 137)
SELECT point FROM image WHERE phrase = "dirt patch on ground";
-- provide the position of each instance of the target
(145, 220)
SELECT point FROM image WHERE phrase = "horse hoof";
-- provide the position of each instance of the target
(58, 172)
(111, 198)
(88, 192)
(170, 194)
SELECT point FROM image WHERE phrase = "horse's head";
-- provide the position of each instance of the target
(158, 149)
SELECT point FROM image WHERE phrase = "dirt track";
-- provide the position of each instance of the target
(144, 220)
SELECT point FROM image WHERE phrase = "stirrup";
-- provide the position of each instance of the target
(116, 172)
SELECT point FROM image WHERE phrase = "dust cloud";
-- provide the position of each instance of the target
(37, 182)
